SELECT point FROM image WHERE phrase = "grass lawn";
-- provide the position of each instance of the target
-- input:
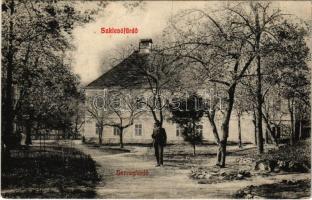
(55, 173)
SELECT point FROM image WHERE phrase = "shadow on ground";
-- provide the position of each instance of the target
(282, 190)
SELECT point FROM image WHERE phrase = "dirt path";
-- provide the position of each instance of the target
(165, 182)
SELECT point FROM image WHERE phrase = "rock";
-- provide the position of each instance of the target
(245, 160)
(223, 178)
(282, 164)
(239, 176)
(245, 173)
(297, 167)
(277, 169)
(284, 181)
(265, 165)
(291, 165)
(248, 196)
(288, 182)
(203, 182)
(200, 176)
(208, 176)
(242, 174)
(223, 174)
(306, 167)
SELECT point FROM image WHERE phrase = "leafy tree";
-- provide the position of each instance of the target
(293, 71)
(35, 38)
(285, 75)
(187, 113)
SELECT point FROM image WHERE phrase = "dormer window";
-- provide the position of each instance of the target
(145, 45)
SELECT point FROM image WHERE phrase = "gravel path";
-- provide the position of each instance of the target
(164, 182)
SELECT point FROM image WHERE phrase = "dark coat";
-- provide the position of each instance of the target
(159, 136)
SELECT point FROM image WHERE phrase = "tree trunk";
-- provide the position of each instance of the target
(121, 138)
(214, 128)
(8, 100)
(300, 130)
(255, 126)
(266, 138)
(270, 132)
(211, 117)
(239, 131)
(100, 135)
(292, 125)
(28, 133)
(259, 107)
(194, 132)
(294, 135)
(221, 155)
(258, 32)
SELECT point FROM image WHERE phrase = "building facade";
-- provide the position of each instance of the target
(124, 75)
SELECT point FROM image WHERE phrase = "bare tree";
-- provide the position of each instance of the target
(259, 20)
(160, 70)
(123, 109)
(222, 56)
(96, 108)
(241, 106)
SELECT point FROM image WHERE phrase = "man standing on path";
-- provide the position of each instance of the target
(159, 141)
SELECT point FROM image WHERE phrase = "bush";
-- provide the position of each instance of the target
(50, 170)
(13, 141)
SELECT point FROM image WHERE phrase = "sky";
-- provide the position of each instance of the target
(94, 50)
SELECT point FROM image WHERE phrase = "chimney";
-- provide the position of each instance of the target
(145, 46)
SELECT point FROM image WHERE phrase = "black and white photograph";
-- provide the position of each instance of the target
(155, 99)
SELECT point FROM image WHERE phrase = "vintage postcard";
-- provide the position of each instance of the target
(156, 99)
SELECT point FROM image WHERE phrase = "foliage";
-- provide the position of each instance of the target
(36, 36)
(187, 112)
(300, 152)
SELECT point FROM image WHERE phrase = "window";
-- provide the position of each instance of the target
(179, 130)
(199, 129)
(138, 129)
(116, 131)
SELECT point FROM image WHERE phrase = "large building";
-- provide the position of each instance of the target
(125, 76)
